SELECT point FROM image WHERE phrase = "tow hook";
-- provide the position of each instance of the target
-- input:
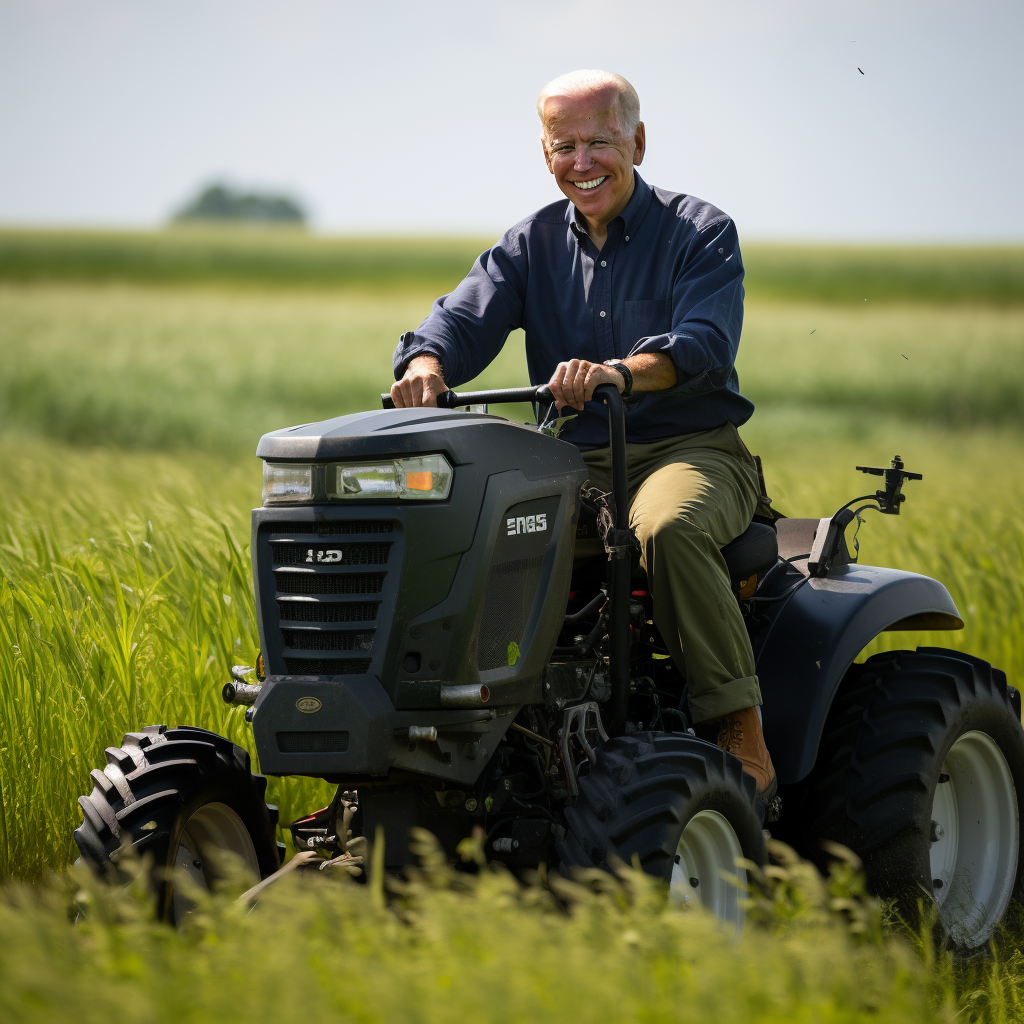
(238, 691)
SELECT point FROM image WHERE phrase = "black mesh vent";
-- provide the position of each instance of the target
(511, 588)
(330, 583)
(322, 579)
(333, 529)
(328, 640)
(310, 611)
(312, 742)
(351, 554)
(327, 666)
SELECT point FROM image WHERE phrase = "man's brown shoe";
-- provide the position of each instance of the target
(740, 734)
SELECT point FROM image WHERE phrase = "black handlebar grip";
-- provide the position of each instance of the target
(445, 400)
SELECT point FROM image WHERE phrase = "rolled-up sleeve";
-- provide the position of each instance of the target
(707, 312)
(467, 328)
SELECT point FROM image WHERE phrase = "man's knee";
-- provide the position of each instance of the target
(681, 547)
(679, 530)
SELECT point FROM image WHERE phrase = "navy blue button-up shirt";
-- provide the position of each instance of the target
(668, 279)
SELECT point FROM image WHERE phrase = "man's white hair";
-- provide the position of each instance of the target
(577, 83)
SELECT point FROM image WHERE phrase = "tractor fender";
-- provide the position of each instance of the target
(814, 639)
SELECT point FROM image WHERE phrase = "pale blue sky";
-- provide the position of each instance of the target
(416, 117)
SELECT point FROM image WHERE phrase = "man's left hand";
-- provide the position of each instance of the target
(573, 382)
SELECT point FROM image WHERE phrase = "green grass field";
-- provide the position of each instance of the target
(288, 258)
(130, 406)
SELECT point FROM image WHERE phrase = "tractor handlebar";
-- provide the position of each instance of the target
(455, 399)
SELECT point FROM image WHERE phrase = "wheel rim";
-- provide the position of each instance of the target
(975, 839)
(213, 830)
(706, 869)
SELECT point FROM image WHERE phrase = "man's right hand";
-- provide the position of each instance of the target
(420, 385)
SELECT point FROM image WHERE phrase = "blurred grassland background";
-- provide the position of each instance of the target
(137, 372)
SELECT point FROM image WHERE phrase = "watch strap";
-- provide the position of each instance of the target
(627, 376)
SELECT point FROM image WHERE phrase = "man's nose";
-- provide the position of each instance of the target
(583, 160)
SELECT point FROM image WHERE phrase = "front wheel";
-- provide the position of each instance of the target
(184, 797)
(921, 764)
(682, 806)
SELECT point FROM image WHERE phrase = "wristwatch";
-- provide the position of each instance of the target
(627, 376)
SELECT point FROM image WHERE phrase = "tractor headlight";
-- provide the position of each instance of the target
(419, 478)
(286, 482)
(426, 477)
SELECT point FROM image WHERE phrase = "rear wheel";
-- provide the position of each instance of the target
(186, 798)
(682, 806)
(921, 764)
(975, 837)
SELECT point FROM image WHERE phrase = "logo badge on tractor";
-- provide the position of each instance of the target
(308, 705)
(330, 555)
(526, 524)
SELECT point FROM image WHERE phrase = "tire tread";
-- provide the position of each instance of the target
(642, 788)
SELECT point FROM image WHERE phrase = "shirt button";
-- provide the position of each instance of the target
(601, 313)
(604, 263)
(627, 238)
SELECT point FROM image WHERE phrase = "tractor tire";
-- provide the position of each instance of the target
(919, 770)
(181, 797)
(681, 806)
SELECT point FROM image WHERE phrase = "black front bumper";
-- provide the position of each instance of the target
(347, 727)
(311, 725)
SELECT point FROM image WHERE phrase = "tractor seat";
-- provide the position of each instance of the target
(752, 553)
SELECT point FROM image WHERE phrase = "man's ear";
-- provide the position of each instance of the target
(640, 144)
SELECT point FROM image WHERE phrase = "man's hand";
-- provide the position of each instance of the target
(573, 382)
(421, 384)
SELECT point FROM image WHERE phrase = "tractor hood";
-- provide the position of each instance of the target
(391, 433)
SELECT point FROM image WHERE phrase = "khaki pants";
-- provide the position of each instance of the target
(688, 497)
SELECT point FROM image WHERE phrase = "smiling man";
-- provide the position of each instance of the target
(641, 288)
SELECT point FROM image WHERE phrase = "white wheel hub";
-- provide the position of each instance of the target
(706, 868)
(975, 839)
(212, 831)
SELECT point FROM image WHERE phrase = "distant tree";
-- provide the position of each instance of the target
(220, 202)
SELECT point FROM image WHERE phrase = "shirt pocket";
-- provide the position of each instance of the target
(642, 318)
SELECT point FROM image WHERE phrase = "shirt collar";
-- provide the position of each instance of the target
(632, 216)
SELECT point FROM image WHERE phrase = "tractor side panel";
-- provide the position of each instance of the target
(814, 640)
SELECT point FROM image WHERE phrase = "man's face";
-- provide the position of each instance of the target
(589, 152)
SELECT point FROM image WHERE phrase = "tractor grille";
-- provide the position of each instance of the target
(320, 580)
(361, 583)
(333, 640)
(300, 610)
(337, 528)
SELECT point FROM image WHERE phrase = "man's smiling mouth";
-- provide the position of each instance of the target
(586, 186)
